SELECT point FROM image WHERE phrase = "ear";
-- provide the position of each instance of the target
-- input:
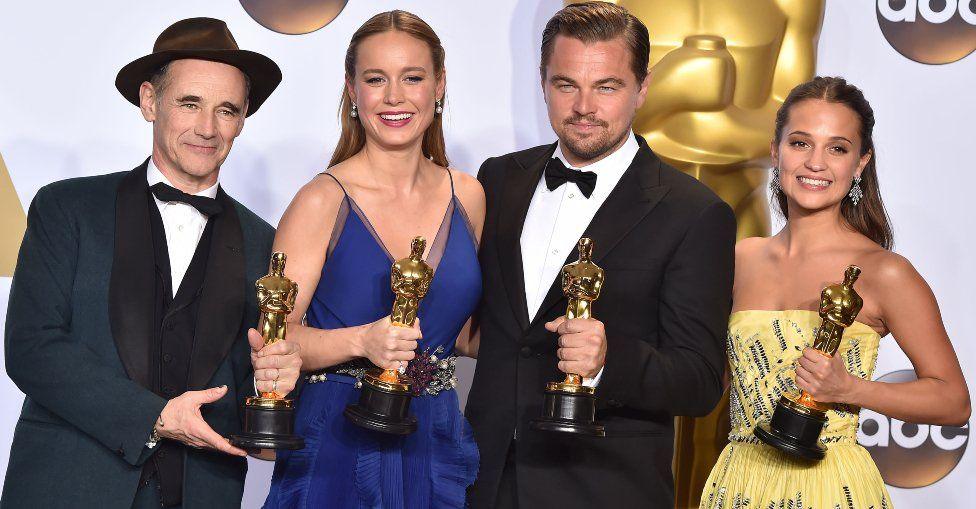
(865, 159)
(350, 89)
(774, 153)
(642, 93)
(147, 101)
(441, 85)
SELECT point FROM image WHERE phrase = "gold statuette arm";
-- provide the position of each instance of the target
(797, 55)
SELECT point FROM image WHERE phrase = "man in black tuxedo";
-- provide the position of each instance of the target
(131, 308)
(654, 348)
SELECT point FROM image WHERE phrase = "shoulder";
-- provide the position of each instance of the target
(80, 188)
(468, 190)
(521, 159)
(892, 271)
(688, 190)
(322, 194)
(251, 223)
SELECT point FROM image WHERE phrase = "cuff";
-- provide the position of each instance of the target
(593, 382)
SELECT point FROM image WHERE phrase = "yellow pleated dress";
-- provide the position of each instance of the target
(763, 347)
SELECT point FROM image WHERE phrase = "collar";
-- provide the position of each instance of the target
(154, 176)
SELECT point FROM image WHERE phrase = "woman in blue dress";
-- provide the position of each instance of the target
(388, 181)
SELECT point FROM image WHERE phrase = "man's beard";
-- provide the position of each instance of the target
(591, 147)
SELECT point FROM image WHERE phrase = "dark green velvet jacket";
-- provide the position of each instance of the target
(78, 332)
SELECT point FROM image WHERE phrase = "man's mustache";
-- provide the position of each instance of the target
(588, 120)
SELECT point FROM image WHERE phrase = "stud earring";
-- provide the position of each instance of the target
(354, 112)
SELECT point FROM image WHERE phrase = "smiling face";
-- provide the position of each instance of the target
(592, 96)
(395, 88)
(196, 117)
(819, 154)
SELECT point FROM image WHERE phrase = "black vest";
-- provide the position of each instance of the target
(174, 323)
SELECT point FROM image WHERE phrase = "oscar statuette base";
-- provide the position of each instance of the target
(795, 429)
(569, 408)
(268, 424)
(383, 406)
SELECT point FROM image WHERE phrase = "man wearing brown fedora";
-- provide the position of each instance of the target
(130, 308)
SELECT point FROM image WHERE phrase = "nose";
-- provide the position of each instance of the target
(816, 161)
(584, 104)
(394, 94)
(206, 126)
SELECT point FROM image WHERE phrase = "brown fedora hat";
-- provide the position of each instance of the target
(203, 39)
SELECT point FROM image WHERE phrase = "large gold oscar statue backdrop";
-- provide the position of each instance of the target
(12, 223)
(719, 71)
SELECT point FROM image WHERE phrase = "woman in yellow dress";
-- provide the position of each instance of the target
(826, 185)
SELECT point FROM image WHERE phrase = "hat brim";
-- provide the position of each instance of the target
(263, 73)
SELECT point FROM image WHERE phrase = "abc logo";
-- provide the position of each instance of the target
(910, 455)
(293, 17)
(929, 31)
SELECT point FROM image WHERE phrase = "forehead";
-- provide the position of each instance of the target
(823, 118)
(391, 51)
(593, 60)
(205, 79)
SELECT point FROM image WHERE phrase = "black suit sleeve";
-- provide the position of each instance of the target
(55, 370)
(683, 374)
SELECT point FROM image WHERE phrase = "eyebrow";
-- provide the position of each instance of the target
(406, 69)
(188, 99)
(611, 81)
(231, 106)
(804, 133)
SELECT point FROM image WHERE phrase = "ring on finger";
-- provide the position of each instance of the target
(277, 374)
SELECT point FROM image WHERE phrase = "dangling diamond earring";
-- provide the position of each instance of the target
(774, 184)
(354, 112)
(438, 109)
(856, 193)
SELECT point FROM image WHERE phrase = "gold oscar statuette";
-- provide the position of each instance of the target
(384, 399)
(269, 417)
(569, 406)
(798, 419)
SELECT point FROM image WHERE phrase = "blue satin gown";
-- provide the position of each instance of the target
(342, 465)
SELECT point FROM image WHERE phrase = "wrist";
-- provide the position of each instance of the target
(358, 340)
(855, 391)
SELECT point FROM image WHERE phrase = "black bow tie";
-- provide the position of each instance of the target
(558, 174)
(206, 206)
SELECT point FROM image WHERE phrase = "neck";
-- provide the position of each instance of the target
(397, 169)
(190, 184)
(807, 230)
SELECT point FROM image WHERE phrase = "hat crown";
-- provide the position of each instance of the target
(196, 34)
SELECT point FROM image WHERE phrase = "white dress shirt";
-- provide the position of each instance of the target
(184, 226)
(557, 219)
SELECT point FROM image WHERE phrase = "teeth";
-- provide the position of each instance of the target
(398, 116)
(814, 182)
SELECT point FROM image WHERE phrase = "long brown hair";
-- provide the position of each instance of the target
(353, 136)
(867, 217)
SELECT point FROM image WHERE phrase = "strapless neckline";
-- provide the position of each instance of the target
(735, 317)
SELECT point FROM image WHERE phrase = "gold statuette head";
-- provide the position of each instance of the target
(839, 303)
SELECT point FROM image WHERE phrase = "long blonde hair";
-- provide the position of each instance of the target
(353, 136)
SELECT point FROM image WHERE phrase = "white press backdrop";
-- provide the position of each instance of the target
(60, 116)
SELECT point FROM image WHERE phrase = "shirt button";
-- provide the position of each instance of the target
(526, 352)
(179, 228)
(555, 251)
(167, 357)
(572, 195)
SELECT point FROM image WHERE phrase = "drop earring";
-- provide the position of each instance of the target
(438, 109)
(856, 193)
(354, 112)
(774, 183)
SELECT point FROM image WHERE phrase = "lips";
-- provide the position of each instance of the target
(813, 183)
(396, 118)
(201, 148)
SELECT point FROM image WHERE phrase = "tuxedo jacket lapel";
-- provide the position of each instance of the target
(519, 188)
(635, 195)
(221, 312)
(132, 283)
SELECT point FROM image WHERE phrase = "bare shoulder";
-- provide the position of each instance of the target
(468, 189)
(317, 199)
(751, 250)
(892, 271)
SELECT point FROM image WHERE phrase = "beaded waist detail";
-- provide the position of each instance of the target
(429, 373)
